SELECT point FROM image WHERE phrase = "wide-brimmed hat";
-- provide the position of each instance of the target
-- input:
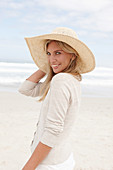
(36, 46)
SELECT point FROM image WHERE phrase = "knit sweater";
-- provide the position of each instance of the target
(57, 115)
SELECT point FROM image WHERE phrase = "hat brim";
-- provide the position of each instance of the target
(36, 46)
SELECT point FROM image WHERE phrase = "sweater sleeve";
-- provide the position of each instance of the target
(58, 105)
(29, 88)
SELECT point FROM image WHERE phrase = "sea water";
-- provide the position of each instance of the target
(99, 82)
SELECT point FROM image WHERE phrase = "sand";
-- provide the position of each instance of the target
(92, 137)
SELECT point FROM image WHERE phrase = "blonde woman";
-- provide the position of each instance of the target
(62, 57)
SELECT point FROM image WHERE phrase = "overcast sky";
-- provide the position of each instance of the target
(92, 20)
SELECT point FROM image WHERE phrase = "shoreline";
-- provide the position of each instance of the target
(95, 94)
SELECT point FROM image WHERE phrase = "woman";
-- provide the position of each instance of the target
(63, 58)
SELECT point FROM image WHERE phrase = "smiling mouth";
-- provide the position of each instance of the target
(55, 66)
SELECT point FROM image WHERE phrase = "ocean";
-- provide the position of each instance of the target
(98, 83)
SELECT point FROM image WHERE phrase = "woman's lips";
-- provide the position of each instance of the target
(55, 66)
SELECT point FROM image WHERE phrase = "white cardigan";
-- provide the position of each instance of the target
(57, 116)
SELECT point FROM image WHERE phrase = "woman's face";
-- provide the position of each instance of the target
(57, 58)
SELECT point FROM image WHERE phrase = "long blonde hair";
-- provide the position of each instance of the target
(72, 68)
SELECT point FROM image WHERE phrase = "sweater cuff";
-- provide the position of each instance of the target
(29, 84)
(26, 85)
(49, 139)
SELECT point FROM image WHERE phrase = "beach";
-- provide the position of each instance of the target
(92, 139)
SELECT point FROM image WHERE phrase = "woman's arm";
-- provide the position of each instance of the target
(35, 77)
(31, 86)
(37, 157)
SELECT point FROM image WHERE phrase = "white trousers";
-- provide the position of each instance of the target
(67, 165)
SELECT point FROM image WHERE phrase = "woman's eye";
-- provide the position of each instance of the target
(58, 53)
(48, 53)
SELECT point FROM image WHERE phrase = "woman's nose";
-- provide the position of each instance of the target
(52, 58)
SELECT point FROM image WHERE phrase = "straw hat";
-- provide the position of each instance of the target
(37, 49)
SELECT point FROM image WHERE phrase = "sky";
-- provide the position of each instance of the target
(92, 21)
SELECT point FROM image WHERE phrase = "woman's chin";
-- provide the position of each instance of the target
(56, 71)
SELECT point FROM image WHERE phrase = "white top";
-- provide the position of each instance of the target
(57, 116)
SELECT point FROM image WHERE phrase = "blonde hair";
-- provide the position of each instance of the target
(73, 67)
